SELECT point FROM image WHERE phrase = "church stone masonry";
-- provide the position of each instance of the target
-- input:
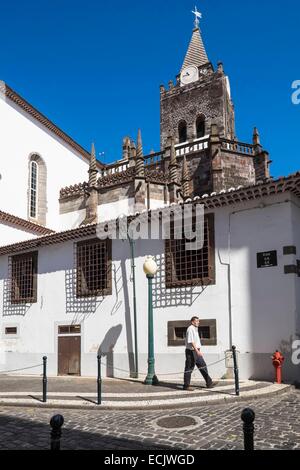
(197, 125)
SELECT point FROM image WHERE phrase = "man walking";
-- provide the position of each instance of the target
(194, 356)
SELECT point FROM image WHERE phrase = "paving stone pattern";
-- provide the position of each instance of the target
(277, 426)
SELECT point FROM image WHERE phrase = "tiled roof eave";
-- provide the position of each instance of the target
(290, 184)
(25, 224)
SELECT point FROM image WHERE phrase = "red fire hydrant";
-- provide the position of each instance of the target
(278, 359)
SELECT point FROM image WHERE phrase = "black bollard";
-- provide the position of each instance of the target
(56, 424)
(44, 379)
(248, 416)
(236, 372)
(99, 381)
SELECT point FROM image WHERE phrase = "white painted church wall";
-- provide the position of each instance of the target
(263, 300)
(262, 307)
(22, 136)
(106, 212)
(293, 260)
(10, 234)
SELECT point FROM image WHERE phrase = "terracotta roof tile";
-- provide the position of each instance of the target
(25, 224)
(224, 198)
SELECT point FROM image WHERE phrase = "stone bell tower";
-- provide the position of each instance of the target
(200, 97)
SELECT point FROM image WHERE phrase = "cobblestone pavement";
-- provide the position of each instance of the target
(277, 426)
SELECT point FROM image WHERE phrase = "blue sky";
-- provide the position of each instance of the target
(94, 68)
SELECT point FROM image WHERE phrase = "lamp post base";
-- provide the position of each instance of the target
(151, 380)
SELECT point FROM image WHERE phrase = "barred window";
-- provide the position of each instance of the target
(24, 278)
(94, 268)
(187, 268)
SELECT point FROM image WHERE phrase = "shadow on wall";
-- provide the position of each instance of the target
(118, 283)
(80, 307)
(180, 296)
(106, 348)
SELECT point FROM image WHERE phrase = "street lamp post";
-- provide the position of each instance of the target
(150, 269)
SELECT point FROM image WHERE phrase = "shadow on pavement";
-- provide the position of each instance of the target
(20, 434)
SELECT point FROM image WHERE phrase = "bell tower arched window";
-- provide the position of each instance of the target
(182, 132)
(37, 189)
(200, 127)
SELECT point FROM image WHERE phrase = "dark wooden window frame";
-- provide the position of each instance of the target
(65, 330)
(173, 340)
(8, 331)
(16, 298)
(173, 282)
(81, 289)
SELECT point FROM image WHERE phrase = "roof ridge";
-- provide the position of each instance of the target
(13, 96)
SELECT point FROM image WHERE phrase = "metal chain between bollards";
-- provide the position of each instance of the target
(171, 373)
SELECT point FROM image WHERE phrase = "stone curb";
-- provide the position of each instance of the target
(188, 402)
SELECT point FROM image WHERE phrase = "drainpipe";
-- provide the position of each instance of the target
(132, 246)
(229, 280)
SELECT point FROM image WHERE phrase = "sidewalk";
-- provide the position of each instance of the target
(121, 394)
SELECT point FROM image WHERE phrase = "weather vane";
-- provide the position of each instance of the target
(197, 16)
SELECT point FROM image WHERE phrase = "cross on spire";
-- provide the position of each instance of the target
(196, 54)
(197, 16)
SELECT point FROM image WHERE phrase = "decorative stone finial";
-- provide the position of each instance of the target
(256, 137)
(93, 171)
(185, 180)
(139, 166)
(173, 167)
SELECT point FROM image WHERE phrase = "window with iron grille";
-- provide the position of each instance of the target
(94, 268)
(24, 278)
(191, 267)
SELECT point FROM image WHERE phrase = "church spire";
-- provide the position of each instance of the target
(196, 54)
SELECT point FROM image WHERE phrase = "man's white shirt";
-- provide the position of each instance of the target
(192, 336)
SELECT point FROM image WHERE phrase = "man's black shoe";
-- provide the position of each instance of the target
(211, 384)
(189, 389)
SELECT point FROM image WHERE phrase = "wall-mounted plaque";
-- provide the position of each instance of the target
(268, 259)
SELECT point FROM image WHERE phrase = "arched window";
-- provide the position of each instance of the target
(182, 132)
(33, 189)
(200, 127)
(37, 189)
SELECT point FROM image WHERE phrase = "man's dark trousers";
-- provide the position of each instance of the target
(191, 361)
